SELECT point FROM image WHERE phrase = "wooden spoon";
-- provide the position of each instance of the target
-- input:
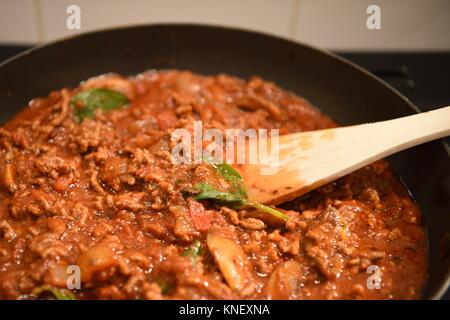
(311, 159)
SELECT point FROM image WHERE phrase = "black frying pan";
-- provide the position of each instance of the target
(347, 93)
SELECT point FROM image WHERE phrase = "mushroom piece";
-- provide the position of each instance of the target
(285, 281)
(97, 258)
(232, 262)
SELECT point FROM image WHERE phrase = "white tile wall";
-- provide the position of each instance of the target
(331, 24)
(265, 15)
(405, 24)
(18, 21)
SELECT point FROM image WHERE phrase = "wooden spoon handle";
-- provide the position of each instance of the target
(311, 159)
(402, 133)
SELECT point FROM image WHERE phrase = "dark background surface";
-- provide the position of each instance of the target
(422, 77)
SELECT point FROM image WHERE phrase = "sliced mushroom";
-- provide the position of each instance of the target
(97, 258)
(285, 281)
(232, 262)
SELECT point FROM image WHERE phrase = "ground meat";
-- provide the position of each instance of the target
(7, 231)
(48, 246)
(104, 194)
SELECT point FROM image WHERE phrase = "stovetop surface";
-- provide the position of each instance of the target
(420, 76)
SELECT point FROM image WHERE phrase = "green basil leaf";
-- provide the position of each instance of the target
(208, 192)
(269, 210)
(230, 175)
(59, 294)
(165, 286)
(194, 250)
(87, 102)
(237, 195)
